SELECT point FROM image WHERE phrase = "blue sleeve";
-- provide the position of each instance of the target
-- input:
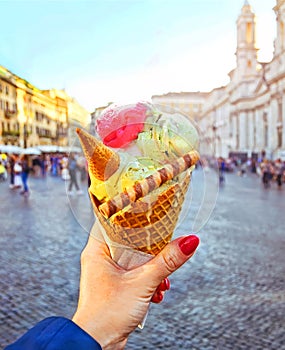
(55, 333)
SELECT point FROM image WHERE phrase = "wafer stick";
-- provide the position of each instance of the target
(145, 186)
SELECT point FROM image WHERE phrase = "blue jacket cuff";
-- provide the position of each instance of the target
(55, 333)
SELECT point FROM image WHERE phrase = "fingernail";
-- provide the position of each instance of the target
(157, 297)
(167, 284)
(164, 285)
(189, 244)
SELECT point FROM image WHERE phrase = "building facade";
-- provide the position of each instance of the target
(188, 103)
(246, 118)
(32, 117)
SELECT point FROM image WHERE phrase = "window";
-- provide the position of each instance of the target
(248, 33)
(265, 122)
(280, 107)
(281, 33)
(279, 136)
(7, 90)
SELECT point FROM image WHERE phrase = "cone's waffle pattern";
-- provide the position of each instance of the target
(151, 182)
(147, 227)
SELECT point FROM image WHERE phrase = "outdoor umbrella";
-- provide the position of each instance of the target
(31, 151)
(48, 148)
(10, 149)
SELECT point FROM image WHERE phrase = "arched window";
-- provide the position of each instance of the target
(266, 134)
(282, 34)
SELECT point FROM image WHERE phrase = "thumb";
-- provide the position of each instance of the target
(174, 255)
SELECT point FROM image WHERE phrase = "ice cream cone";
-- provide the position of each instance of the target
(147, 224)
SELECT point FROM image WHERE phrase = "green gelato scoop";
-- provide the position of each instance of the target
(167, 136)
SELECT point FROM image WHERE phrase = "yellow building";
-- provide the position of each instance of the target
(9, 125)
(31, 117)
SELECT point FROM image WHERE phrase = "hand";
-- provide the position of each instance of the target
(112, 300)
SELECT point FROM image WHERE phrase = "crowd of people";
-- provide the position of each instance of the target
(16, 169)
(268, 171)
(73, 167)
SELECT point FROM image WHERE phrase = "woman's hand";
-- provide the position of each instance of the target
(112, 300)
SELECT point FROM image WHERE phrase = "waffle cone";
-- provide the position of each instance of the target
(148, 225)
(148, 222)
(102, 161)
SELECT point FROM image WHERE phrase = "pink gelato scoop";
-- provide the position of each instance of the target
(118, 126)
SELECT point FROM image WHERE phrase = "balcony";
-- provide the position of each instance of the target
(10, 113)
(13, 133)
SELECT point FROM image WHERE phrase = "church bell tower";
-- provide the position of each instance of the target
(246, 52)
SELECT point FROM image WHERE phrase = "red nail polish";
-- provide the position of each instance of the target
(189, 244)
(164, 285)
(159, 296)
(167, 284)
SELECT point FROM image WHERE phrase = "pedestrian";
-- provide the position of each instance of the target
(265, 167)
(17, 168)
(279, 170)
(43, 165)
(72, 168)
(81, 163)
(253, 166)
(222, 169)
(11, 163)
(54, 165)
(25, 174)
(3, 173)
(112, 300)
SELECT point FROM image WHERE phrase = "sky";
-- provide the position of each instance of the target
(103, 51)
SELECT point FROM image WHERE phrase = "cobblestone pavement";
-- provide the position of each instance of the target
(231, 295)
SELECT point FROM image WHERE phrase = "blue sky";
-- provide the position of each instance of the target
(126, 50)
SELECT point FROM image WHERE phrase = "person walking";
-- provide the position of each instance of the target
(3, 174)
(279, 170)
(222, 168)
(72, 167)
(11, 164)
(266, 173)
(25, 174)
(17, 169)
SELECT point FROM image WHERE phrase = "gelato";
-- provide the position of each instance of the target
(138, 191)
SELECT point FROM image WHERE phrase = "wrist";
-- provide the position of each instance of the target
(107, 338)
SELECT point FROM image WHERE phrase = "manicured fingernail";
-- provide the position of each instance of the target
(157, 297)
(164, 285)
(167, 284)
(189, 244)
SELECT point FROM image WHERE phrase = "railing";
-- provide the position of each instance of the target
(10, 113)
